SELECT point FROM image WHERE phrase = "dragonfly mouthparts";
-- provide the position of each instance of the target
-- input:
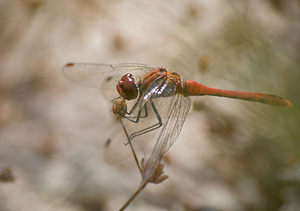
(119, 107)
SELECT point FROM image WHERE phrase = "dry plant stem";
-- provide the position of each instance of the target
(131, 147)
(133, 196)
(156, 178)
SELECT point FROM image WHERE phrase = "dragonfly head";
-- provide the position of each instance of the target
(127, 87)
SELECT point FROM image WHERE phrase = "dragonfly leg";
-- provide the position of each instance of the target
(135, 119)
(122, 111)
(135, 106)
(150, 128)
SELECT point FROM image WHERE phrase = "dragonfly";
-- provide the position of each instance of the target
(147, 99)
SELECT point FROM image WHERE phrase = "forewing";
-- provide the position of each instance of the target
(104, 76)
(115, 151)
(169, 133)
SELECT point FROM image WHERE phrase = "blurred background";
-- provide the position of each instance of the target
(231, 154)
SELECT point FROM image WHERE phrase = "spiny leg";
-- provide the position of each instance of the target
(150, 128)
(136, 119)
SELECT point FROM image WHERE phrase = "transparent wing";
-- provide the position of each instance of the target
(115, 150)
(104, 76)
(169, 133)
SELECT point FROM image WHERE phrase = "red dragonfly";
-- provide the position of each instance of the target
(151, 98)
(156, 93)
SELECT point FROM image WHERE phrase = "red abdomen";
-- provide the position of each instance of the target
(192, 88)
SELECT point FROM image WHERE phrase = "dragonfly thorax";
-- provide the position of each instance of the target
(127, 87)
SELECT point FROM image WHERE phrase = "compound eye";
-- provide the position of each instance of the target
(127, 87)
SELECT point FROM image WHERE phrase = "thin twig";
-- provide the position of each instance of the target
(133, 196)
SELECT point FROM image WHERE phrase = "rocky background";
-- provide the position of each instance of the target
(231, 154)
